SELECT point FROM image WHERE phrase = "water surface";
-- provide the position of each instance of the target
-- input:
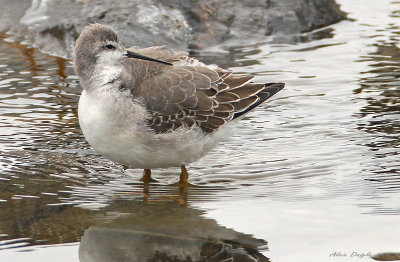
(313, 175)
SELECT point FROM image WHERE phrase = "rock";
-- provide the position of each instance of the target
(386, 256)
(52, 26)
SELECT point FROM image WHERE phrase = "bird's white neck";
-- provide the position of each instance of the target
(104, 76)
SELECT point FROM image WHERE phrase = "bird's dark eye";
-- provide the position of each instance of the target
(110, 47)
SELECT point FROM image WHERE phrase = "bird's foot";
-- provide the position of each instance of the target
(146, 178)
(184, 177)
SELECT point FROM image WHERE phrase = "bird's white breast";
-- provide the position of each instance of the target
(114, 124)
(106, 124)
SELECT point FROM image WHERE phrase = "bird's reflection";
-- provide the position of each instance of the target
(167, 231)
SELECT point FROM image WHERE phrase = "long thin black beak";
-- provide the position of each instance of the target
(142, 57)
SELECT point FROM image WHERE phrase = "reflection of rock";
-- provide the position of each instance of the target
(166, 231)
(53, 25)
(380, 114)
(382, 93)
(383, 77)
(238, 55)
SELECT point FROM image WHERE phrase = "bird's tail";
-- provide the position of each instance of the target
(269, 90)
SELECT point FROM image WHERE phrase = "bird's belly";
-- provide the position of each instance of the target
(126, 140)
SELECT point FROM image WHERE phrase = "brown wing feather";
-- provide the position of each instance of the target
(194, 95)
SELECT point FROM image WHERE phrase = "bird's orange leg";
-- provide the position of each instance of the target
(146, 178)
(184, 178)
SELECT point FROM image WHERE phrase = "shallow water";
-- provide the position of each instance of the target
(315, 172)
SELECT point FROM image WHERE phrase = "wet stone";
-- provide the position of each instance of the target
(52, 26)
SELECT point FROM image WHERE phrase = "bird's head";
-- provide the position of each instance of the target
(100, 44)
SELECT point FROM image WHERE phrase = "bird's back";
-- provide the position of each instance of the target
(190, 94)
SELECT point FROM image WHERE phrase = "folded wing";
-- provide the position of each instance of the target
(191, 94)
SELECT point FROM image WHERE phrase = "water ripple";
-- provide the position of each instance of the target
(325, 149)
